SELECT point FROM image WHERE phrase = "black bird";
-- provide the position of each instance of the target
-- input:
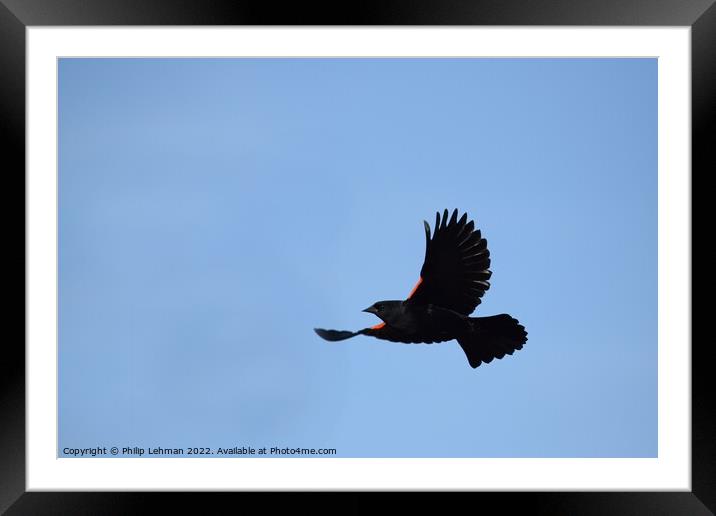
(452, 281)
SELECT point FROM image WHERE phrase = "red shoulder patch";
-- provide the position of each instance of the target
(420, 282)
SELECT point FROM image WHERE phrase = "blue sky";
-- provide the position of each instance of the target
(214, 211)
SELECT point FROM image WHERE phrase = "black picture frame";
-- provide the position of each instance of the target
(16, 15)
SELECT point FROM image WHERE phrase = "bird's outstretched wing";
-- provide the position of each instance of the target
(384, 332)
(335, 335)
(455, 272)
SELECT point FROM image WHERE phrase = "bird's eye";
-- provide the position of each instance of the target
(378, 306)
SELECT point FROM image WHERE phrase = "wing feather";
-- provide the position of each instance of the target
(455, 272)
(386, 332)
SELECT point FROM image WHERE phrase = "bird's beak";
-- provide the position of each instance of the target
(370, 310)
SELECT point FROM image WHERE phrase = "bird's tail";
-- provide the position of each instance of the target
(492, 337)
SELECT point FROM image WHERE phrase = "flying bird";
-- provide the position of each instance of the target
(453, 279)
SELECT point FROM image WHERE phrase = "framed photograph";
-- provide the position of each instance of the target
(210, 210)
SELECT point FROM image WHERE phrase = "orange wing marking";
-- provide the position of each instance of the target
(420, 282)
(377, 326)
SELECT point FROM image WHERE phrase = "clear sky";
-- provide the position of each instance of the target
(214, 211)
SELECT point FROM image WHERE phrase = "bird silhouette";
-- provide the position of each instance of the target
(453, 279)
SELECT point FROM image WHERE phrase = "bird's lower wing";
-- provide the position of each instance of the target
(380, 331)
(385, 332)
(335, 335)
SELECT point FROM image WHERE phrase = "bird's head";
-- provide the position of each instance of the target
(385, 309)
